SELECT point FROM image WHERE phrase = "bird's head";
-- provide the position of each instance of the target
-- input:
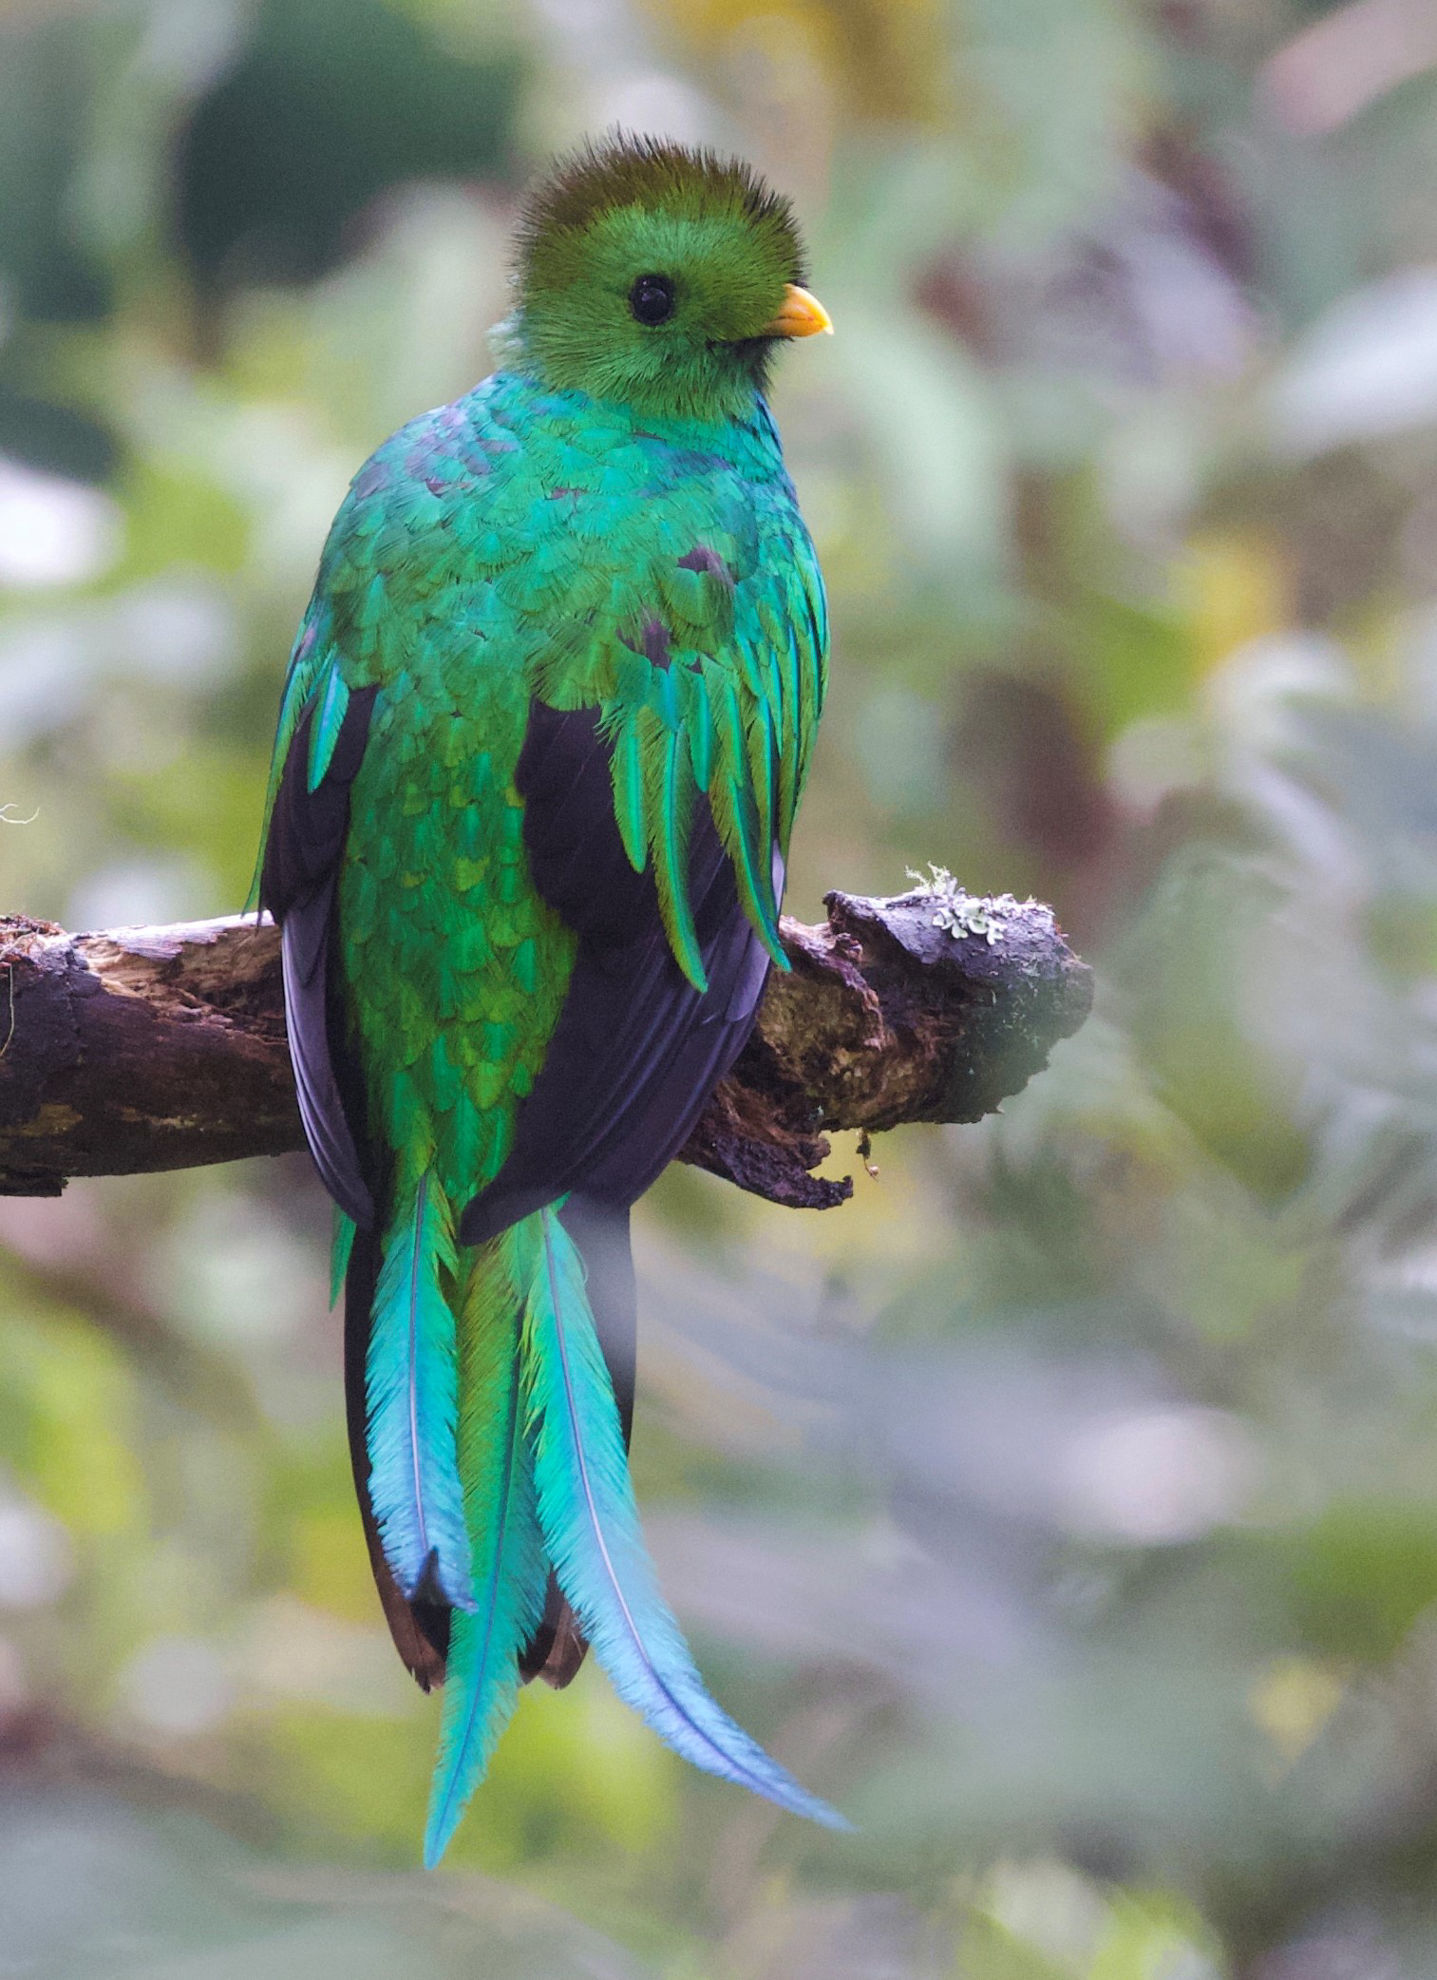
(660, 277)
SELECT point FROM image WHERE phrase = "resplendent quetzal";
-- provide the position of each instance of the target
(543, 735)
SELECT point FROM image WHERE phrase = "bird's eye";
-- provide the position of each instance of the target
(652, 299)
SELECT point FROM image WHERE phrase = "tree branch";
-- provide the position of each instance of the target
(163, 1048)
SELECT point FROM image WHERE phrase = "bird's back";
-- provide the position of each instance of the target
(517, 553)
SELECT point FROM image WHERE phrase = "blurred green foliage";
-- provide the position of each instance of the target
(1066, 1506)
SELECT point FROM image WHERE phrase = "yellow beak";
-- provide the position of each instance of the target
(802, 315)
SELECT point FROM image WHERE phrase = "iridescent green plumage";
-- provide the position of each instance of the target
(543, 737)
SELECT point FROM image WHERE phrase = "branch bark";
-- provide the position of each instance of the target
(163, 1048)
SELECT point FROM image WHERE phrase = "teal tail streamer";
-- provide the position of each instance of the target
(510, 1570)
(411, 1392)
(591, 1529)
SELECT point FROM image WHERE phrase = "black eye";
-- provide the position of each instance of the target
(652, 299)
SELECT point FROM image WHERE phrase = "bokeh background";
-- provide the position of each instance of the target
(1065, 1507)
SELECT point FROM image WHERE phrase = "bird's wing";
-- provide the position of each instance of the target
(707, 670)
(320, 744)
(318, 751)
(638, 1047)
(656, 824)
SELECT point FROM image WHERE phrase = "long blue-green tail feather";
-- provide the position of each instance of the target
(411, 1391)
(591, 1528)
(510, 1570)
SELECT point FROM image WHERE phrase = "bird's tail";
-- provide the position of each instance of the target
(487, 1642)
(588, 1523)
(420, 1628)
(411, 1401)
(537, 1433)
(601, 1233)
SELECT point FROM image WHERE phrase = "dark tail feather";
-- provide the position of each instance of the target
(420, 1629)
(558, 1646)
(601, 1232)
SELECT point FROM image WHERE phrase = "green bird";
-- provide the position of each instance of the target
(545, 728)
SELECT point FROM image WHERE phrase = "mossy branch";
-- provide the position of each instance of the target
(163, 1048)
